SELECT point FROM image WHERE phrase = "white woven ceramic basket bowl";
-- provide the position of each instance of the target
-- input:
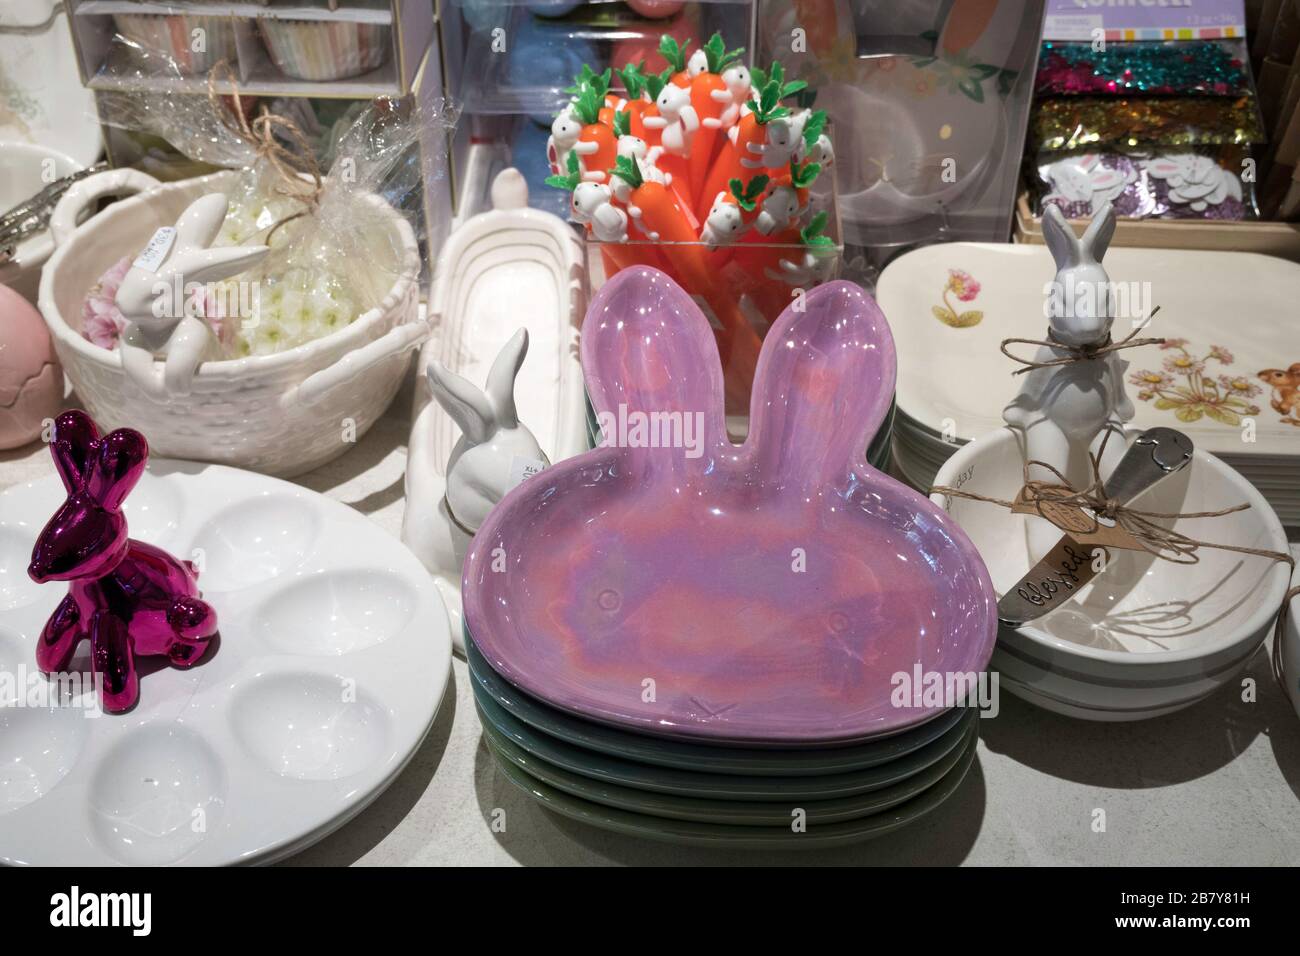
(281, 414)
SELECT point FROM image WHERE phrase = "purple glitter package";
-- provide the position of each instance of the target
(1169, 184)
(1174, 67)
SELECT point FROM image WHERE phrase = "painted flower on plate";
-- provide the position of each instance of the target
(1184, 364)
(965, 288)
(1183, 388)
(1238, 385)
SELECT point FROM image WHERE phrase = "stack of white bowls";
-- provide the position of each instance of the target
(1146, 637)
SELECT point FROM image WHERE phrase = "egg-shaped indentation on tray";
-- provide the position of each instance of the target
(38, 747)
(254, 540)
(310, 726)
(14, 653)
(336, 612)
(153, 511)
(156, 795)
(16, 588)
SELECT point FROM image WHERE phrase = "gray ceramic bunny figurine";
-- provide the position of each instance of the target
(1063, 411)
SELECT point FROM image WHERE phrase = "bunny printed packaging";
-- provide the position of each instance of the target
(1157, 184)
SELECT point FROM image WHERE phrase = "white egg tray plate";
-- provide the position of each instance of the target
(334, 655)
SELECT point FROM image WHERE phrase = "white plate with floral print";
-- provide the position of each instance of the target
(1228, 375)
(333, 658)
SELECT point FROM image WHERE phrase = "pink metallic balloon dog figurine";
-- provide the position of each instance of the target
(129, 598)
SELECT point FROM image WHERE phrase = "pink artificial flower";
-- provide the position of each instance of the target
(1220, 354)
(101, 320)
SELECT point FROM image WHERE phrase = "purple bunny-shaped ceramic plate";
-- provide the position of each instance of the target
(764, 593)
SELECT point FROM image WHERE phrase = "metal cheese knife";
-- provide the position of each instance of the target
(1155, 455)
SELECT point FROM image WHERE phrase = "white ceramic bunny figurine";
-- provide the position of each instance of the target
(495, 451)
(1064, 411)
(148, 297)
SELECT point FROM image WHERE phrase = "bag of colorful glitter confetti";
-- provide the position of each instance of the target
(1144, 68)
(1178, 183)
(1092, 122)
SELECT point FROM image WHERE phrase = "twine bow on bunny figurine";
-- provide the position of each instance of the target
(1073, 394)
(128, 598)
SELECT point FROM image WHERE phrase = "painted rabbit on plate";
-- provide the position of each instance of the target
(130, 599)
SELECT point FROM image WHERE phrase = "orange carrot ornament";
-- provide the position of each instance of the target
(634, 81)
(597, 146)
(787, 198)
(733, 212)
(675, 56)
(654, 208)
(672, 163)
(749, 137)
(708, 106)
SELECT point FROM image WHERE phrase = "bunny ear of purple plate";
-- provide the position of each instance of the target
(778, 592)
(1172, 184)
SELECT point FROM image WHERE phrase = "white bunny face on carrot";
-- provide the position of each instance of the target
(494, 444)
(780, 209)
(724, 224)
(784, 141)
(177, 260)
(564, 136)
(592, 204)
(738, 84)
(677, 118)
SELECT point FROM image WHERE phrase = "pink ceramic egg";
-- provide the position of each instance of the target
(31, 381)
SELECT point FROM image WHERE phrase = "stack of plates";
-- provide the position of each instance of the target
(738, 647)
(1232, 359)
(715, 794)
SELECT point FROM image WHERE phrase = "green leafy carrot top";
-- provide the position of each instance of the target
(570, 182)
(718, 55)
(674, 54)
(772, 89)
(747, 196)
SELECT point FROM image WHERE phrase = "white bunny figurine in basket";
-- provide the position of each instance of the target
(1064, 411)
(495, 451)
(154, 297)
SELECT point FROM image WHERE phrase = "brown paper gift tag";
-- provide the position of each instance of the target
(1077, 523)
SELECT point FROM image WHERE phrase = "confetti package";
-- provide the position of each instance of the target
(1175, 183)
(1070, 122)
(1172, 68)
(1161, 127)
